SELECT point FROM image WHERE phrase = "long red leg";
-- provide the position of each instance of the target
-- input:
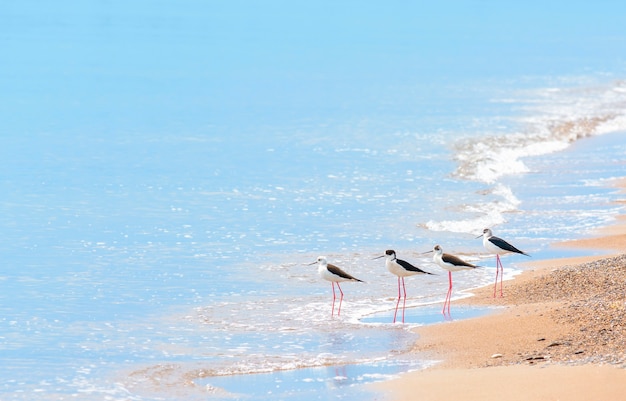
(332, 313)
(340, 300)
(404, 303)
(499, 271)
(397, 303)
(448, 295)
(495, 285)
(501, 274)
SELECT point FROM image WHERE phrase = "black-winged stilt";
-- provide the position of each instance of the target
(450, 263)
(499, 247)
(335, 275)
(402, 269)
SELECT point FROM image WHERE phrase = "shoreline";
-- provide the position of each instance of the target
(560, 333)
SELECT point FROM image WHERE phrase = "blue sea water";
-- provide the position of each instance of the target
(170, 168)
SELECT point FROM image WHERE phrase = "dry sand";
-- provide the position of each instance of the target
(512, 383)
(560, 335)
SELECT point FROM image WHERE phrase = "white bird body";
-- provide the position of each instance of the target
(332, 273)
(402, 269)
(335, 275)
(449, 262)
(498, 246)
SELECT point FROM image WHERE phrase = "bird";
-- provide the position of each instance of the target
(499, 247)
(450, 263)
(335, 275)
(402, 269)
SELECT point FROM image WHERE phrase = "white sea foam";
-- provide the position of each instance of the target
(297, 331)
(482, 215)
(553, 119)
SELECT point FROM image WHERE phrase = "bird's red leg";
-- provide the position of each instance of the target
(495, 285)
(340, 300)
(501, 273)
(397, 303)
(404, 303)
(448, 295)
(332, 313)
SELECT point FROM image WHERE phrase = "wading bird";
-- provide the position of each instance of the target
(499, 247)
(402, 269)
(335, 275)
(450, 263)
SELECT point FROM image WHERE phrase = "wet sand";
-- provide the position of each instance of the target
(561, 334)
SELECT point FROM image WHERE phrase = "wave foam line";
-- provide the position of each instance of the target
(486, 214)
(556, 119)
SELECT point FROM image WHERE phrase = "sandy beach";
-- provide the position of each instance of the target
(560, 334)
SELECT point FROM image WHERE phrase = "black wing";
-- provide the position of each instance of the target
(338, 272)
(407, 266)
(453, 260)
(502, 244)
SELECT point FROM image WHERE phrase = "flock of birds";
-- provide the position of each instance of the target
(402, 269)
